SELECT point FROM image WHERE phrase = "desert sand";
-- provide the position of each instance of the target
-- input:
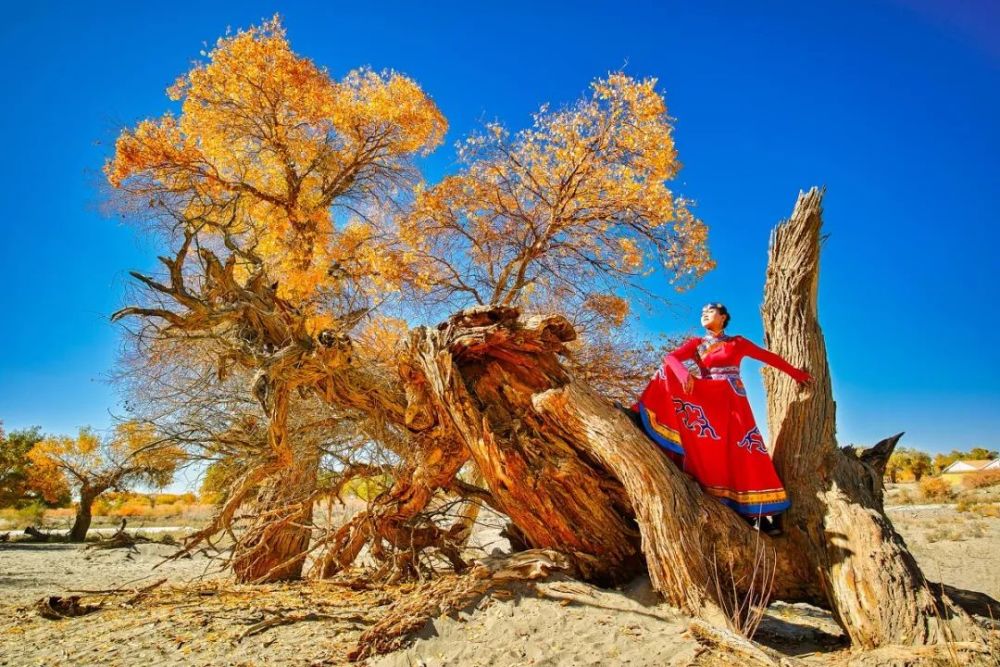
(196, 617)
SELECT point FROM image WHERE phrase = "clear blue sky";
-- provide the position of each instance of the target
(893, 105)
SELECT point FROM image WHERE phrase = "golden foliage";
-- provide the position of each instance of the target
(266, 143)
(573, 205)
(132, 453)
(935, 488)
(981, 479)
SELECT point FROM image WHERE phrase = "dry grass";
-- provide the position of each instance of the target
(982, 479)
(956, 531)
(745, 610)
(985, 510)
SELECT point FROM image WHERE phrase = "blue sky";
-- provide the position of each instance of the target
(892, 105)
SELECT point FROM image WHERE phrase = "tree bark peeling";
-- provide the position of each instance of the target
(836, 522)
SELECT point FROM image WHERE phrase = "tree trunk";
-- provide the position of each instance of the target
(276, 545)
(575, 474)
(81, 524)
(872, 583)
(482, 369)
(393, 522)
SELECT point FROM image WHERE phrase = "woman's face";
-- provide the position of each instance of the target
(712, 319)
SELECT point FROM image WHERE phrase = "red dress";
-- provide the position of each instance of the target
(711, 432)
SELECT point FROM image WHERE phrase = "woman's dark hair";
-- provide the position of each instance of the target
(722, 311)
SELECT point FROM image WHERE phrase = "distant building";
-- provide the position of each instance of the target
(956, 470)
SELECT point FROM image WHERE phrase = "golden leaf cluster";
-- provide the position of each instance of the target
(132, 451)
(576, 203)
(268, 145)
(310, 181)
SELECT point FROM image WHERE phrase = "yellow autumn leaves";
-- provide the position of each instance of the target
(571, 209)
(312, 180)
(267, 143)
(133, 451)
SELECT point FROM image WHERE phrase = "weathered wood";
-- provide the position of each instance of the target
(575, 474)
(872, 583)
(84, 513)
(275, 546)
(727, 648)
(484, 366)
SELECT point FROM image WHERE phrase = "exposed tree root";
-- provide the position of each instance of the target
(449, 594)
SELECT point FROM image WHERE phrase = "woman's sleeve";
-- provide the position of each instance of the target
(674, 360)
(751, 350)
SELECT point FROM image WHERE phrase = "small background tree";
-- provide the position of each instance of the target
(17, 486)
(908, 464)
(92, 465)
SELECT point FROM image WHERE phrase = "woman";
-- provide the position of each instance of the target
(706, 424)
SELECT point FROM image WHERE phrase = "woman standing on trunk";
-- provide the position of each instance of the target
(706, 424)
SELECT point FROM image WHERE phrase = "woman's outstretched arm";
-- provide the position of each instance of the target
(753, 351)
(674, 360)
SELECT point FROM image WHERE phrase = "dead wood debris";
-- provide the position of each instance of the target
(56, 608)
(36, 535)
(967, 654)
(120, 540)
(728, 648)
(112, 591)
(280, 618)
(451, 593)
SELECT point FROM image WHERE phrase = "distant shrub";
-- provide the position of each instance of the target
(101, 506)
(175, 498)
(935, 488)
(944, 535)
(981, 479)
(901, 497)
(132, 507)
(29, 515)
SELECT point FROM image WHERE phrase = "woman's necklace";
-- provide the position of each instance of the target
(710, 340)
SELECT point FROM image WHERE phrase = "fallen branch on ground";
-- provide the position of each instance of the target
(731, 649)
(449, 594)
(56, 608)
(288, 619)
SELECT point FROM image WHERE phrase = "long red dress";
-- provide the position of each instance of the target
(711, 431)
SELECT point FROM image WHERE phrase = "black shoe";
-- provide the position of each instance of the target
(772, 525)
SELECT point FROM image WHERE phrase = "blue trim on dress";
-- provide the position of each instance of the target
(656, 437)
(758, 509)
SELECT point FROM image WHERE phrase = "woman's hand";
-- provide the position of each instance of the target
(803, 377)
(688, 384)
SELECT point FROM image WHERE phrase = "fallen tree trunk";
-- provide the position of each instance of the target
(482, 369)
(575, 474)
(872, 584)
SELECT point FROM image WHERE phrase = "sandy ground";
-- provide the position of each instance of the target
(197, 618)
(957, 548)
(562, 622)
